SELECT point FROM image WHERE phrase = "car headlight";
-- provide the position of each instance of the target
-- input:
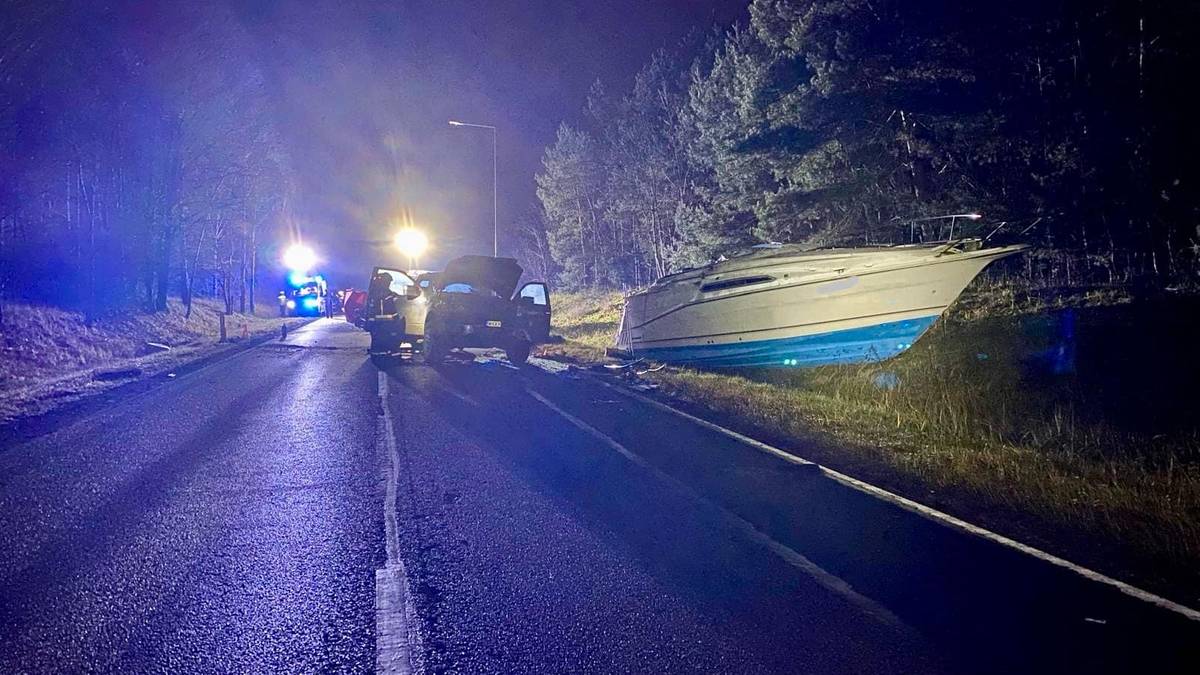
(291, 304)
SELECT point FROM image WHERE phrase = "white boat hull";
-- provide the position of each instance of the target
(854, 306)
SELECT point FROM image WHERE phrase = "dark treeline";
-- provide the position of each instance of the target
(841, 122)
(137, 156)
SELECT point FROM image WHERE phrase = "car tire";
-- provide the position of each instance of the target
(518, 352)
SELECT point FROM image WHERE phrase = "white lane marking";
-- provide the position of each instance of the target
(395, 634)
(458, 394)
(758, 445)
(393, 474)
(927, 511)
(793, 558)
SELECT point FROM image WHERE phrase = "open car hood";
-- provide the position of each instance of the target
(499, 274)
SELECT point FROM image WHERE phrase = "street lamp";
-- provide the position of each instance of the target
(495, 217)
(412, 243)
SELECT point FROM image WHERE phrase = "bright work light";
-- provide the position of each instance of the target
(299, 258)
(411, 242)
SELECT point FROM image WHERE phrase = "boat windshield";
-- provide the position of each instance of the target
(768, 250)
(759, 250)
(668, 278)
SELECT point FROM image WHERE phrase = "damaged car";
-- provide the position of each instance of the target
(475, 303)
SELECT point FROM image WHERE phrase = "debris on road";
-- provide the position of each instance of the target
(549, 365)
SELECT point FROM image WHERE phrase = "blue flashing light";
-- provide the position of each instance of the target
(298, 278)
(311, 303)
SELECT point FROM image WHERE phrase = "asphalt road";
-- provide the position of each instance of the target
(233, 519)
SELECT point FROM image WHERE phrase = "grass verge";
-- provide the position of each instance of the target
(959, 424)
(50, 356)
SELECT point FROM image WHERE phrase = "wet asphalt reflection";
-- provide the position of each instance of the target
(233, 520)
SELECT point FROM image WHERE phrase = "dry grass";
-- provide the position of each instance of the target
(587, 322)
(1151, 505)
(988, 297)
(963, 424)
(49, 355)
(588, 318)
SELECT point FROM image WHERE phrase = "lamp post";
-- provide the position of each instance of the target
(495, 217)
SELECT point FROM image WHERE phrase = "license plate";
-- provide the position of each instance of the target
(493, 324)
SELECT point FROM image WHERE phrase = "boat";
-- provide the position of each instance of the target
(784, 306)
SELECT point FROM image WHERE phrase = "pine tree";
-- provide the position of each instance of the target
(569, 188)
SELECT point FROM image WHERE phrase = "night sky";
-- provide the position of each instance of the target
(363, 92)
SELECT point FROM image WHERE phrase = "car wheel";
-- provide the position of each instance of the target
(518, 352)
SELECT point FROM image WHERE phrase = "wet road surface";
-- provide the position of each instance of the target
(233, 520)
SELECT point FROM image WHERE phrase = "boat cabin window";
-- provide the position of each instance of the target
(726, 284)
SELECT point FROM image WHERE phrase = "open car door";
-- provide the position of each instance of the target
(402, 298)
(533, 308)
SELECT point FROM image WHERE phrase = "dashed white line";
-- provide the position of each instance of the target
(923, 510)
(458, 394)
(793, 558)
(395, 635)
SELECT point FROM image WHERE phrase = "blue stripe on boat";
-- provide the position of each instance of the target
(853, 345)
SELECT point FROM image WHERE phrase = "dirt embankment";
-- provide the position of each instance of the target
(49, 356)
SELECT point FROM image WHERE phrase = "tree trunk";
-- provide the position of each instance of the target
(163, 275)
(253, 263)
(242, 280)
(185, 293)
